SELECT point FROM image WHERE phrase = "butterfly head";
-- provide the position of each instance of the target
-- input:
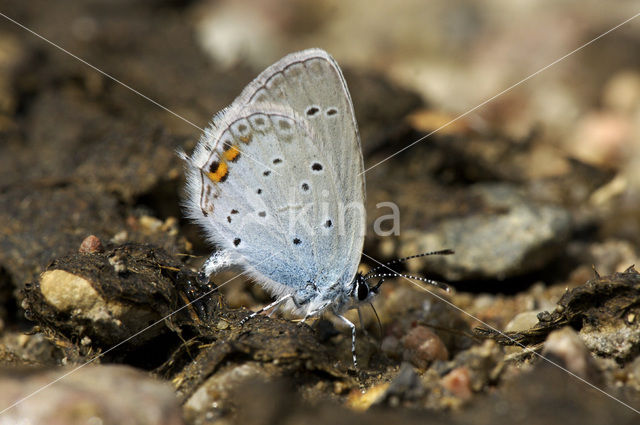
(361, 291)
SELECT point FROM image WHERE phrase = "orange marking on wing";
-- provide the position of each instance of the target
(245, 139)
(231, 154)
(220, 173)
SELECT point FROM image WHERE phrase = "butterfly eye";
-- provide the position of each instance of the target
(362, 291)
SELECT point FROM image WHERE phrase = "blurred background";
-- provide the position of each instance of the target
(568, 137)
(454, 54)
(457, 54)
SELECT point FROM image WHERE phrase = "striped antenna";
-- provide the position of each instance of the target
(402, 260)
(432, 282)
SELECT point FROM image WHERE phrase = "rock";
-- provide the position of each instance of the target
(547, 395)
(405, 387)
(522, 321)
(98, 297)
(604, 309)
(458, 382)
(608, 256)
(402, 305)
(507, 237)
(601, 138)
(632, 374)
(484, 363)
(363, 400)
(565, 347)
(93, 394)
(269, 348)
(391, 347)
(29, 350)
(620, 340)
(422, 346)
(91, 245)
(622, 92)
(214, 397)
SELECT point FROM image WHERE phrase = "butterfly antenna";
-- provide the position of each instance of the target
(402, 260)
(432, 282)
(376, 288)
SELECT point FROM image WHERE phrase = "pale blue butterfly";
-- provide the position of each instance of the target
(277, 184)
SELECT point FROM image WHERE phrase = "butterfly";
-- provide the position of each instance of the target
(277, 183)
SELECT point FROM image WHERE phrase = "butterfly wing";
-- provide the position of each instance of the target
(276, 179)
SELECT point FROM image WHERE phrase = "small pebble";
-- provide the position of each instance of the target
(566, 346)
(170, 226)
(150, 224)
(340, 387)
(458, 382)
(120, 237)
(390, 346)
(23, 340)
(362, 400)
(91, 245)
(118, 264)
(98, 394)
(523, 321)
(422, 346)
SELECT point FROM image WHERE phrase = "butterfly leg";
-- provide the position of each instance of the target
(276, 303)
(297, 303)
(353, 338)
(217, 261)
(197, 289)
(314, 312)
